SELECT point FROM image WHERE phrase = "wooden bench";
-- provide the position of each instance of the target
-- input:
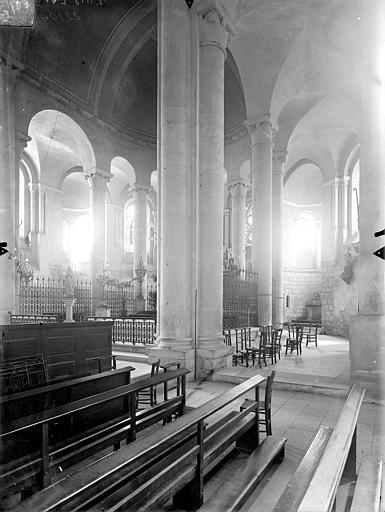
(170, 463)
(61, 392)
(34, 446)
(299, 482)
(330, 458)
(370, 486)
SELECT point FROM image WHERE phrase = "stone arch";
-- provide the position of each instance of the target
(61, 143)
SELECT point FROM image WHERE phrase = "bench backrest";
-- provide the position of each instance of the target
(76, 489)
(31, 401)
(321, 492)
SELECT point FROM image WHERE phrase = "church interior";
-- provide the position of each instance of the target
(192, 274)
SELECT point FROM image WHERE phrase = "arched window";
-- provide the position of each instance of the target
(129, 228)
(303, 241)
(80, 241)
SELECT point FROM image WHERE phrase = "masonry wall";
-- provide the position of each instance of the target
(339, 300)
(300, 285)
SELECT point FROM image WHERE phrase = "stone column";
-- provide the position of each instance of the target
(341, 187)
(335, 215)
(174, 185)
(7, 189)
(238, 220)
(226, 228)
(97, 181)
(367, 333)
(139, 193)
(261, 131)
(213, 42)
(279, 161)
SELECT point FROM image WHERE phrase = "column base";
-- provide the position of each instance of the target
(211, 359)
(202, 364)
(367, 354)
(172, 354)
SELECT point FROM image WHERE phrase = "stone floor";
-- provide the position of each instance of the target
(308, 391)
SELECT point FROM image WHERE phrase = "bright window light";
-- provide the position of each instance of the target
(81, 240)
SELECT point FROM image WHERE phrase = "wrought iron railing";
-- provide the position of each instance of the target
(120, 298)
(240, 298)
(44, 297)
(130, 330)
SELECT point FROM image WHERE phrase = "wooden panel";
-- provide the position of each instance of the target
(23, 347)
(62, 369)
(64, 343)
(61, 344)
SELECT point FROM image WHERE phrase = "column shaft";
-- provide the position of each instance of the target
(279, 159)
(367, 334)
(238, 221)
(261, 131)
(97, 182)
(213, 41)
(174, 177)
(7, 190)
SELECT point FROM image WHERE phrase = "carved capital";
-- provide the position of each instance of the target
(214, 31)
(97, 179)
(139, 188)
(22, 140)
(261, 129)
(239, 187)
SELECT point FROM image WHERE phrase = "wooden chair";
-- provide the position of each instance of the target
(241, 355)
(312, 336)
(259, 351)
(147, 396)
(277, 335)
(227, 337)
(264, 406)
(295, 343)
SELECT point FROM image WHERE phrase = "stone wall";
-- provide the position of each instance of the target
(339, 300)
(300, 286)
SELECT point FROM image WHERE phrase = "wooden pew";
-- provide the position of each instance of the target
(31, 401)
(71, 432)
(171, 462)
(338, 459)
(367, 494)
(295, 489)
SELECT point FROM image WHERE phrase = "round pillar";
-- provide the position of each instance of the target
(174, 178)
(7, 190)
(213, 42)
(367, 334)
(238, 221)
(98, 184)
(279, 160)
(261, 131)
